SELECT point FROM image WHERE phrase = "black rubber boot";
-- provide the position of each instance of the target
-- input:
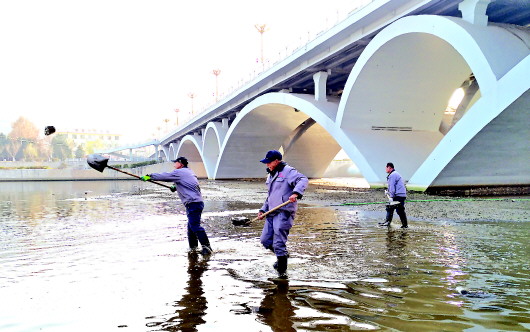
(282, 267)
(275, 265)
(193, 241)
(203, 239)
(206, 250)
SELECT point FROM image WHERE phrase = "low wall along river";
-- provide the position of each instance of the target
(81, 171)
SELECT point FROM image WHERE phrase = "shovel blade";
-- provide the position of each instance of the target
(240, 221)
(97, 162)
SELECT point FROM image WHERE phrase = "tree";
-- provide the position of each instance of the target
(3, 140)
(91, 146)
(30, 152)
(80, 151)
(24, 129)
(4, 155)
(61, 149)
(12, 148)
(22, 140)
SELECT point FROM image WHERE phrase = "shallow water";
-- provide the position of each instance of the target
(104, 256)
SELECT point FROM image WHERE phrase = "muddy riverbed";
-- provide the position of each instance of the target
(104, 256)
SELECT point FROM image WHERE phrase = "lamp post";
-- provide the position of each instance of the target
(216, 72)
(191, 95)
(177, 112)
(261, 29)
(166, 121)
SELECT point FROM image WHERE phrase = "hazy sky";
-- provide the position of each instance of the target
(126, 65)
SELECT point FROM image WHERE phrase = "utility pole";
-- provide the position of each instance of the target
(261, 29)
(216, 72)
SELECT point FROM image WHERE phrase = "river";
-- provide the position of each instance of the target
(112, 256)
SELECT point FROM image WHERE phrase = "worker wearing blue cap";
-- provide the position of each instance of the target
(284, 183)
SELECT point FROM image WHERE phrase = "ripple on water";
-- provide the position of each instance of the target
(119, 260)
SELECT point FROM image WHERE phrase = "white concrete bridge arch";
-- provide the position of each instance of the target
(272, 121)
(392, 107)
(401, 85)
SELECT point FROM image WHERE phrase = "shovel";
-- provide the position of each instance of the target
(98, 162)
(245, 220)
(391, 202)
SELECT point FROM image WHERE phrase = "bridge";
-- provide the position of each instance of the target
(377, 85)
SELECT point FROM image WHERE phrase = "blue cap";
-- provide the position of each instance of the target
(271, 156)
(181, 160)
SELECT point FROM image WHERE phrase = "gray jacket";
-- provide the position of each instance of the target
(283, 184)
(185, 181)
(396, 186)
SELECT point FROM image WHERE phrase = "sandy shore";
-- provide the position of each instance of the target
(423, 206)
(353, 193)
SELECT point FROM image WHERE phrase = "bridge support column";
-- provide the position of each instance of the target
(156, 152)
(320, 80)
(474, 11)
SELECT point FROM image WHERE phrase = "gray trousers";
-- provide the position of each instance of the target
(275, 232)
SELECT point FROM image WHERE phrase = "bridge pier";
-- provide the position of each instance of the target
(474, 11)
(320, 80)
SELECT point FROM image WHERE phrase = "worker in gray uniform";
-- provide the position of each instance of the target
(284, 183)
(188, 189)
(398, 193)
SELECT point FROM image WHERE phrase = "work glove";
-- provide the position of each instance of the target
(145, 178)
(173, 188)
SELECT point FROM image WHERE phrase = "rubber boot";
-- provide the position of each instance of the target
(203, 239)
(275, 265)
(282, 267)
(192, 240)
(389, 213)
(404, 223)
(386, 223)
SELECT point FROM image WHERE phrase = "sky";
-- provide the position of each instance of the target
(124, 66)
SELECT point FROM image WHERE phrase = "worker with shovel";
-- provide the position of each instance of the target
(397, 192)
(285, 184)
(188, 189)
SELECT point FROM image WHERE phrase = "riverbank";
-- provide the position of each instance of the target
(353, 194)
(78, 171)
(429, 207)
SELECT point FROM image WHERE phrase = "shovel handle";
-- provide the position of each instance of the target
(138, 177)
(272, 210)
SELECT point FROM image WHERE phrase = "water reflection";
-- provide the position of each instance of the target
(127, 245)
(276, 309)
(191, 308)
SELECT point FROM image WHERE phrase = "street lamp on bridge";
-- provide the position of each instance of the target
(192, 96)
(177, 112)
(216, 72)
(261, 29)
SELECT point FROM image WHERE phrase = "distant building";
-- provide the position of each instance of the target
(83, 136)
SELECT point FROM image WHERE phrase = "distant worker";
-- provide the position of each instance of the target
(188, 189)
(284, 184)
(397, 192)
